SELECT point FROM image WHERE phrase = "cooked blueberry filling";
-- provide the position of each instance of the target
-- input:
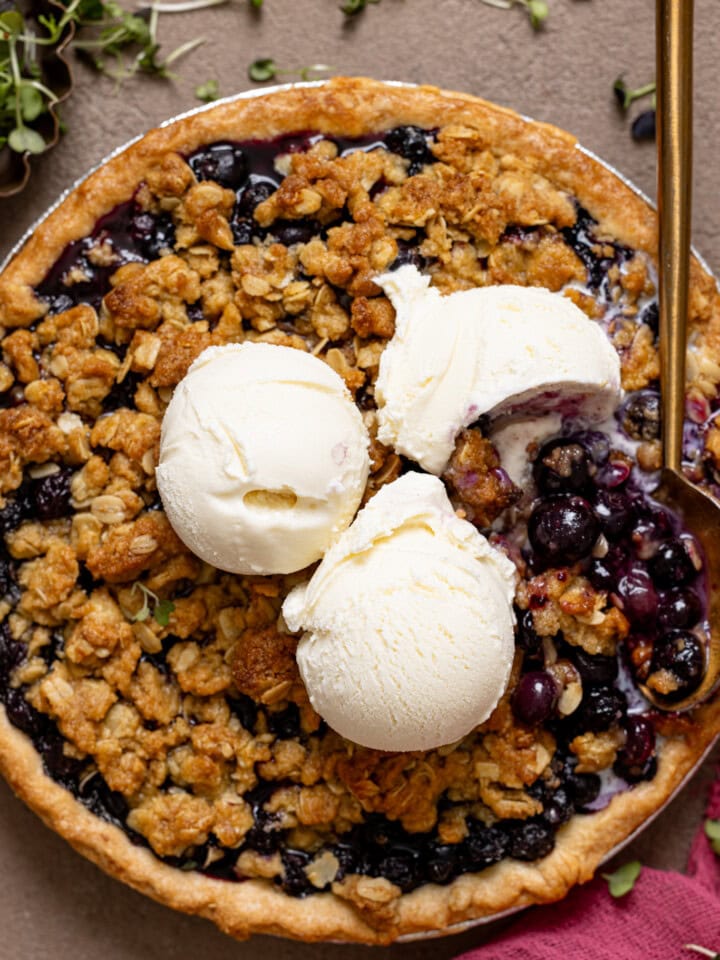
(589, 510)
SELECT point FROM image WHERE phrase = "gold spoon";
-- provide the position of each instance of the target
(700, 512)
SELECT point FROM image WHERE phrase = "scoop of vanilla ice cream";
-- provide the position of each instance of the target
(408, 622)
(263, 458)
(501, 350)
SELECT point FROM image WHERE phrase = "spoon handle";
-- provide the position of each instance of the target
(674, 28)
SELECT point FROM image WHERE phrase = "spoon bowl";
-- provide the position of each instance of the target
(701, 515)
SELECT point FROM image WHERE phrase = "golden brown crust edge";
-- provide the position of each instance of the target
(342, 106)
(243, 908)
(350, 107)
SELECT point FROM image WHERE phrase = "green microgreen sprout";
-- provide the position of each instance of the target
(626, 97)
(113, 39)
(208, 91)
(712, 832)
(120, 32)
(161, 609)
(351, 7)
(265, 68)
(623, 879)
(537, 10)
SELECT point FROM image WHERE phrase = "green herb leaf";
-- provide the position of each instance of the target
(25, 140)
(712, 832)
(351, 7)
(538, 12)
(256, 3)
(11, 23)
(144, 612)
(31, 102)
(625, 96)
(163, 609)
(262, 70)
(208, 91)
(623, 879)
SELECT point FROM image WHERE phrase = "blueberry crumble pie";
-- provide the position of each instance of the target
(153, 705)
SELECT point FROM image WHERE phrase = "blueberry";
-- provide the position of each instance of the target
(594, 668)
(529, 839)
(97, 796)
(584, 788)
(534, 697)
(562, 529)
(52, 495)
(225, 163)
(289, 232)
(581, 239)
(604, 572)
(643, 126)
(412, 144)
(651, 316)
(558, 807)
(409, 253)
(18, 507)
(561, 467)
(12, 654)
(295, 880)
(678, 609)
(245, 709)
(600, 708)
(62, 768)
(527, 638)
(285, 723)
(639, 597)
(263, 839)
(640, 415)
(123, 393)
(683, 655)
(614, 510)
(244, 230)
(7, 575)
(347, 857)
(152, 234)
(485, 845)
(672, 566)
(400, 866)
(441, 862)
(639, 740)
(634, 774)
(21, 714)
(256, 191)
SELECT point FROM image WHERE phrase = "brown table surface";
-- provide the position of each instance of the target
(56, 905)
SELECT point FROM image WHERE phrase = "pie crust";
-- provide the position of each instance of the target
(353, 108)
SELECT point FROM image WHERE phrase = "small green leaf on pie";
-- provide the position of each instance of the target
(163, 609)
(623, 879)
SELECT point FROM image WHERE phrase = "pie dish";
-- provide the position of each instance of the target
(153, 713)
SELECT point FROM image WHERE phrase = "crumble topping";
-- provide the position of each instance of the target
(199, 725)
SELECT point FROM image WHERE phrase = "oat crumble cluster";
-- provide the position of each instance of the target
(193, 731)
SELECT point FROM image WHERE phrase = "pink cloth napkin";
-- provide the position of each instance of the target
(663, 911)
